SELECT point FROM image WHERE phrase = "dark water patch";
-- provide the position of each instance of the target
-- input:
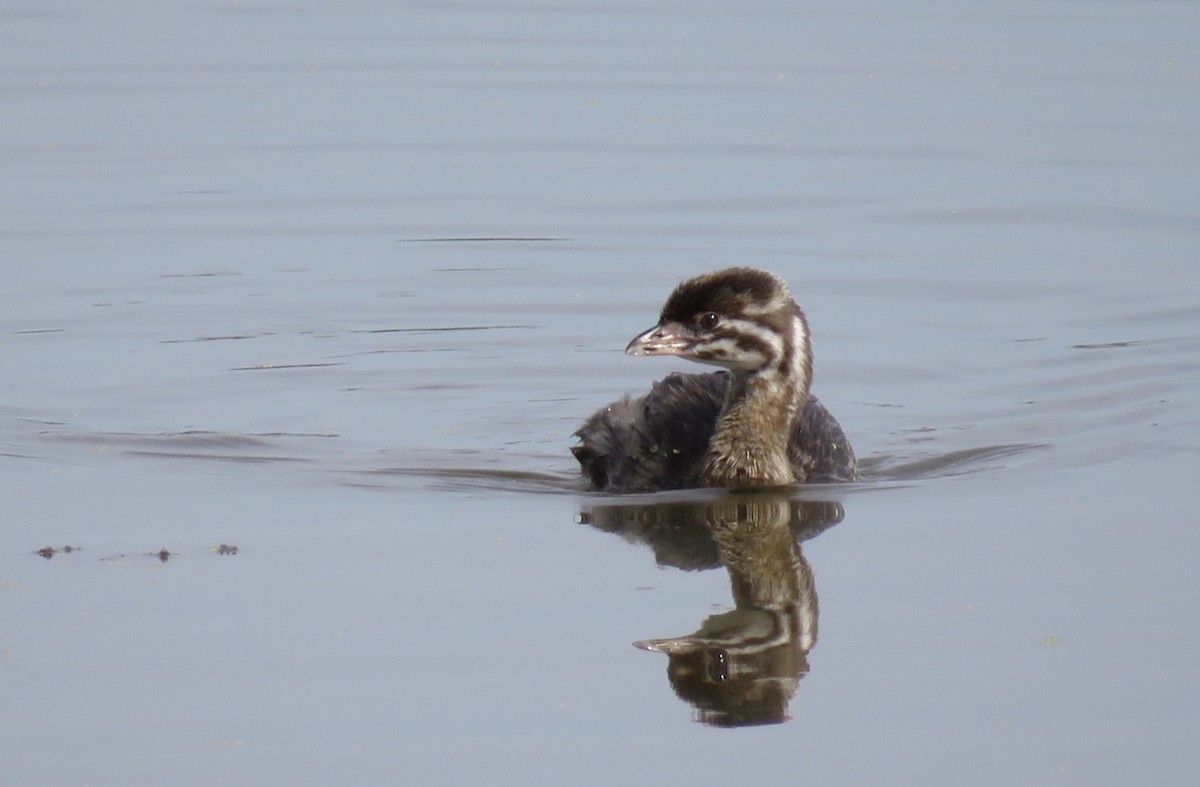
(727, 205)
(1127, 343)
(280, 366)
(485, 239)
(203, 275)
(229, 338)
(217, 457)
(1082, 215)
(261, 448)
(11, 455)
(1106, 345)
(444, 329)
(35, 421)
(649, 151)
(187, 438)
(654, 151)
(889, 467)
(460, 479)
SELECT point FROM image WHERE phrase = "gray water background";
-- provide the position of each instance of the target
(335, 283)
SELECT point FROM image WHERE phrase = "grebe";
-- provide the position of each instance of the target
(755, 425)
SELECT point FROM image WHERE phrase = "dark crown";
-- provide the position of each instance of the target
(726, 292)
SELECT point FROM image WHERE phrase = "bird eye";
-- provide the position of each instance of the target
(709, 320)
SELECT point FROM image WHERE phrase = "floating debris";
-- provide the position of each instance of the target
(49, 552)
(163, 555)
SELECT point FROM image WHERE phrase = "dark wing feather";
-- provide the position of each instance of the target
(655, 441)
(820, 451)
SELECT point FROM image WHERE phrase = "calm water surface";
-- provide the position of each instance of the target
(334, 287)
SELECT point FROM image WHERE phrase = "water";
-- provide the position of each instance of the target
(334, 286)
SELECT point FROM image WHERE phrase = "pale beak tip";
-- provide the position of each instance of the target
(662, 339)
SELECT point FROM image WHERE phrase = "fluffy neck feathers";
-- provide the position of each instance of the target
(749, 447)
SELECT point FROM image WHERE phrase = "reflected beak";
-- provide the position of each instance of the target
(672, 646)
(663, 339)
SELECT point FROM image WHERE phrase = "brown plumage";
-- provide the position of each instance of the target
(755, 425)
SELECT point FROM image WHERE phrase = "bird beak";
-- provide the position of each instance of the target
(671, 647)
(663, 339)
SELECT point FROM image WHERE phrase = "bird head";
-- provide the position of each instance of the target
(742, 319)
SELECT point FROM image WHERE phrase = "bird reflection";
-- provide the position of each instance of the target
(740, 667)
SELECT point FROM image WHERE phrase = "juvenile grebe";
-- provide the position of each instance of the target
(755, 425)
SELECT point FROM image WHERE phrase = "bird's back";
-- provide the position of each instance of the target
(658, 441)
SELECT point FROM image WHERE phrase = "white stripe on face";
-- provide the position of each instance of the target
(799, 348)
(765, 335)
(729, 353)
(778, 301)
(751, 346)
